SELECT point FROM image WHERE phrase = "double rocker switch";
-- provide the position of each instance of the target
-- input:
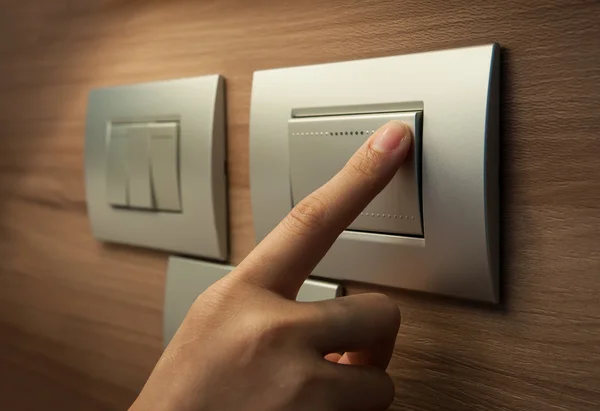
(142, 166)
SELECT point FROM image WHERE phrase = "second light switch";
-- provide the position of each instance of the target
(116, 169)
(164, 162)
(138, 168)
(165, 187)
(143, 166)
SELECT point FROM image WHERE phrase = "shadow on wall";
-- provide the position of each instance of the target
(41, 46)
(50, 55)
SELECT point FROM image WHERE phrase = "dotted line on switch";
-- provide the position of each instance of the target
(401, 217)
(335, 133)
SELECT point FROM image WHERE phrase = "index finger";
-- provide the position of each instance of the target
(285, 257)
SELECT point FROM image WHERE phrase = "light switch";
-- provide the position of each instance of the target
(155, 172)
(164, 166)
(321, 146)
(435, 227)
(116, 172)
(138, 168)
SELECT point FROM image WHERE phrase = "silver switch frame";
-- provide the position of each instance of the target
(458, 92)
(197, 105)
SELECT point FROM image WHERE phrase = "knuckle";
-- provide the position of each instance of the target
(363, 164)
(270, 332)
(308, 215)
(255, 336)
(209, 302)
(305, 380)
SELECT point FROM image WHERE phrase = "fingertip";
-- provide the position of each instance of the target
(393, 136)
(401, 126)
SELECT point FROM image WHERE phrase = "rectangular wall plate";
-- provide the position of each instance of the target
(185, 208)
(187, 279)
(458, 94)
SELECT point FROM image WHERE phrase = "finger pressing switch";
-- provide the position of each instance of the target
(138, 168)
(397, 208)
(435, 226)
(164, 165)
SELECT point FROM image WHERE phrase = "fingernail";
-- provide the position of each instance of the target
(394, 135)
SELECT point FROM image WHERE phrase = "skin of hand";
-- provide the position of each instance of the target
(247, 345)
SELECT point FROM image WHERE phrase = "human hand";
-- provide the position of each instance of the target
(246, 345)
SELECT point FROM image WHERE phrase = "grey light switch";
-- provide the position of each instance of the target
(155, 172)
(455, 251)
(321, 146)
(164, 166)
(116, 172)
(138, 168)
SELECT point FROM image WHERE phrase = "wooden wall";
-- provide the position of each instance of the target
(80, 322)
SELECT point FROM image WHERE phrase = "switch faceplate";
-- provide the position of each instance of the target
(164, 166)
(137, 163)
(155, 165)
(142, 166)
(116, 169)
(187, 279)
(321, 146)
(457, 92)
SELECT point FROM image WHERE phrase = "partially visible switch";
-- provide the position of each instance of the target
(138, 167)
(164, 166)
(116, 171)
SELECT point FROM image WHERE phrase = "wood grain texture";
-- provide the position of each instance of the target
(80, 322)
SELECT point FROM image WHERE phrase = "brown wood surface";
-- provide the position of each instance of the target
(80, 322)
